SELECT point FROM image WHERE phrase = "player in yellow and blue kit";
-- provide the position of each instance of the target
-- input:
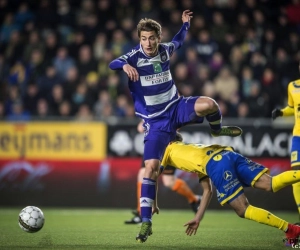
(230, 172)
(293, 109)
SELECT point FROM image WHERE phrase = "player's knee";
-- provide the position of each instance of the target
(205, 106)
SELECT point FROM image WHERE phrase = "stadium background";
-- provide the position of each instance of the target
(68, 132)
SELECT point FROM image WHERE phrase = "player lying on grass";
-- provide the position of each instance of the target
(230, 172)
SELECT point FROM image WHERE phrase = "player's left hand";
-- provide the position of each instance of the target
(155, 210)
(186, 16)
(276, 113)
(192, 227)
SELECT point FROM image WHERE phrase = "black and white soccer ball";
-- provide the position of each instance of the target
(31, 219)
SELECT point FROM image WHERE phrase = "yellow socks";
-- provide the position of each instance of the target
(183, 189)
(265, 217)
(285, 179)
(296, 191)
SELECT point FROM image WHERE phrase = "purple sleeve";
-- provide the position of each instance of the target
(117, 64)
(179, 37)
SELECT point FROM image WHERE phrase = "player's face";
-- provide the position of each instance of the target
(149, 41)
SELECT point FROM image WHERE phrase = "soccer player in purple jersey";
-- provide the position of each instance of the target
(158, 103)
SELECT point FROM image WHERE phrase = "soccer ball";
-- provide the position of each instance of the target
(31, 219)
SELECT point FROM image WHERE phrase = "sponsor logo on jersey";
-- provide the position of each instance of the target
(227, 175)
(155, 79)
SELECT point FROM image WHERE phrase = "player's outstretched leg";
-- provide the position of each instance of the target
(231, 131)
(146, 230)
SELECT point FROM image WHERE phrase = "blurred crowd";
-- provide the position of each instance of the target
(54, 55)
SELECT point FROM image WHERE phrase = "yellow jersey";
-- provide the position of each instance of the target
(294, 105)
(191, 157)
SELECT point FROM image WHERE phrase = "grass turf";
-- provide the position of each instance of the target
(105, 229)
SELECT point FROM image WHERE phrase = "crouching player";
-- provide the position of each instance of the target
(230, 172)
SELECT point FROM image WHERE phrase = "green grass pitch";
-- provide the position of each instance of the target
(105, 229)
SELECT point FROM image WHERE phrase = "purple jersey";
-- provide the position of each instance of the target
(155, 91)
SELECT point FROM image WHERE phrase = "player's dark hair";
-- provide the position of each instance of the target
(147, 24)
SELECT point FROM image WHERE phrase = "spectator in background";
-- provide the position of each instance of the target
(105, 12)
(77, 41)
(292, 46)
(257, 64)
(13, 96)
(14, 49)
(34, 43)
(243, 24)
(226, 84)
(242, 110)
(216, 63)
(31, 98)
(283, 68)
(92, 82)
(71, 82)
(205, 46)
(269, 44)
(259, 24)
(90, 28)
(271, 88)
(8, 27)
(18, 113)
(86, 63)
(99, 46)
(23, 15)
(51, 47)
(87, 8)
(258, 105)
(227, 45)
(236, 60)
(36, 65)
(18, 76)
(79, 97)
(62, 62)
(47, 81)
(65, 110)
(65, 15)
(43, 111)
(246, 82)
(283, 28)
(219, 27)
(101, 107)
(84, 113)
(119, 43)
(56, 98)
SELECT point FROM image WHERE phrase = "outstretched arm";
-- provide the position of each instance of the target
(179, 37)
(193, 225)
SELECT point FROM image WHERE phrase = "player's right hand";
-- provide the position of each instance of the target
(276, 113)
(131, 72)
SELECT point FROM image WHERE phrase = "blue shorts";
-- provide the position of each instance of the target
(295, 151)
(230, 172)
(160, 130)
